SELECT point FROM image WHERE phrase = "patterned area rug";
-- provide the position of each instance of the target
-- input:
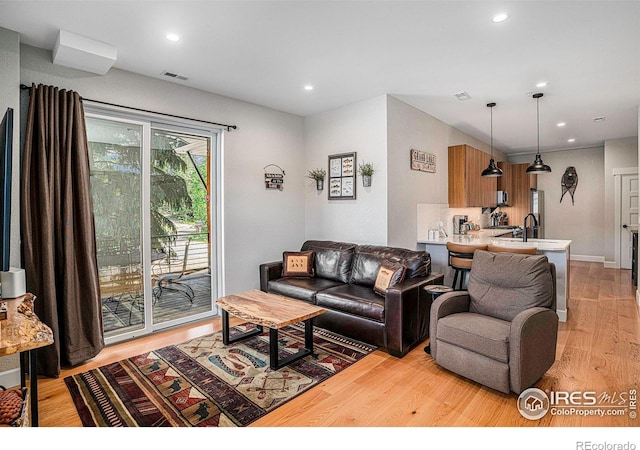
(202, 382)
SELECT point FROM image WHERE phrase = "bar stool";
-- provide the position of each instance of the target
(460, 258)
(521, 250)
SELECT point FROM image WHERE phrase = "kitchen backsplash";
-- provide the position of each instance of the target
(431, 214)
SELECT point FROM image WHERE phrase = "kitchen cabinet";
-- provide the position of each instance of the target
(505, 181)
(520, 195)
(467, 188)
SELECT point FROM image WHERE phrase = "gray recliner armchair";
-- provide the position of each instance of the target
(502, 331)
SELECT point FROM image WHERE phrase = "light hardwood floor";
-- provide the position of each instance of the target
(598, 350)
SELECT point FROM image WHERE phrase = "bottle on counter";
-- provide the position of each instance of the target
(441, 233)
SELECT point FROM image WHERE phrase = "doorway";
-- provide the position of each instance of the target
(152, 186)
(626, 218)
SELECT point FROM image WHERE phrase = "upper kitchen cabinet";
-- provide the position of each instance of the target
(467, 188)
(520, 195)
(505, 181)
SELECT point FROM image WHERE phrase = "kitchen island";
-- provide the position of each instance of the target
(557, 251)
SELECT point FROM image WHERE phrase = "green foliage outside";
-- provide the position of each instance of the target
(197, 213)
(177, 194)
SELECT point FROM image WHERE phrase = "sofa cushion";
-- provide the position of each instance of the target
(480, 334)
(353, 299)
(332, 259)
(298, 264)
(504, 284)
(367, 260)
(389, 275)
(300, 288)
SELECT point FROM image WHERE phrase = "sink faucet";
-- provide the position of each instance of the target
(524, 226)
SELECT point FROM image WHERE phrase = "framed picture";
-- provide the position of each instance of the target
(342, 176)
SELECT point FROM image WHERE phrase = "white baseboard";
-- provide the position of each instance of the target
(10, 378)
(588, 258)
(611, 265)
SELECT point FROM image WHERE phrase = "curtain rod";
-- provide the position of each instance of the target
(24, 87)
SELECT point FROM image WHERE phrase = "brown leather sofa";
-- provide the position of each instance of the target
(343, 284)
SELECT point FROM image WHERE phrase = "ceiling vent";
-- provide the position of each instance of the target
(79, 52)
(462, 96)
(174, 75)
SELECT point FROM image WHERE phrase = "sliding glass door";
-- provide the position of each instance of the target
(151, 186)
(180, 226)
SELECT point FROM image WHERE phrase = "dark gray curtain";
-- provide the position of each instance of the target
(58, 231)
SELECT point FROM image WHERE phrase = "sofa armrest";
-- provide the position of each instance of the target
(407, 309)
(532, 346)
(446, 304)
(269, 271)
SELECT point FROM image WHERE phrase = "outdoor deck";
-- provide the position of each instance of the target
(170, 304)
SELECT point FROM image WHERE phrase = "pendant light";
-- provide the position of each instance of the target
(492, 170)
(538, 166)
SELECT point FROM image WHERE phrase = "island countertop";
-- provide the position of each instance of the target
(489, 237)
(558, 252)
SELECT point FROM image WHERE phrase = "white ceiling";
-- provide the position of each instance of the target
(422, 52)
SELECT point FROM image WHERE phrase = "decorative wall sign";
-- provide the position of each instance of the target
(569, 183)
(274, 180)
(423, 161)
(342, 176)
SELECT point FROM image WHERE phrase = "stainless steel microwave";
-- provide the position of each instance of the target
(503, 198)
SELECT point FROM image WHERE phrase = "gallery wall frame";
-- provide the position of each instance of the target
(342, 176)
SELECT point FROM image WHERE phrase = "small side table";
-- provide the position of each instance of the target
(435, 290)
(21, 331)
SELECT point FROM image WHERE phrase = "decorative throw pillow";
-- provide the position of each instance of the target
(389, 275)
(298, 264)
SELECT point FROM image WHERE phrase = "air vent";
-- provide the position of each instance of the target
(462, 96)
(174, 75)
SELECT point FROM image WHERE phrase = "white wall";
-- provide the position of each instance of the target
(361, 128)
(409, 128)
(258, 223)
(582, 223)
(618, 154)
(10, 98)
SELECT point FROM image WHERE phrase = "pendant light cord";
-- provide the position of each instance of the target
(538, 120)
(491, 105)
(491, 132)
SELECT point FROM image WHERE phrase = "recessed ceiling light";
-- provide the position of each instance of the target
(561, 124)
(173, 37)
(571, 140)
(541, 84)
(599, 119)
(500, 18)
(308, 87)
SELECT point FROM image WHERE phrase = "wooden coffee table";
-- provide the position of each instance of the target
(272, 311)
